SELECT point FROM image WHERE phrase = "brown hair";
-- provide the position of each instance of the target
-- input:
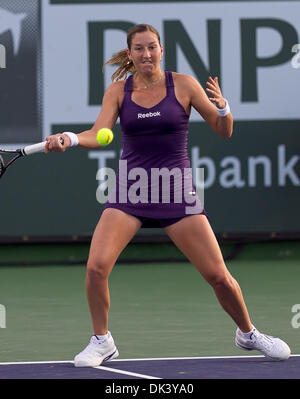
(125, 64)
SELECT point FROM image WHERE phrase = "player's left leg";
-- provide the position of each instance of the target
(195, 238)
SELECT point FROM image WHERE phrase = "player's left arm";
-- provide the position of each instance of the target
(206, 106)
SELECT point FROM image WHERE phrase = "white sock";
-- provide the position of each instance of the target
(247, 334)
(102, 337)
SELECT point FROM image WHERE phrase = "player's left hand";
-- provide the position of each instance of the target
(215, 92)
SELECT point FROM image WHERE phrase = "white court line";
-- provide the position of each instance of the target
(192, 358)
(186, 358)
(38, 362)
(148, 377)
(142, 359)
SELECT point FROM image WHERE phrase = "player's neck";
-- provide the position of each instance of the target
(147, 82)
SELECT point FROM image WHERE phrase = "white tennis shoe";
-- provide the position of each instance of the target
(273, 348)
(97, 352)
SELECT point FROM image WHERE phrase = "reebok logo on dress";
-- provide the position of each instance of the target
(149, 115)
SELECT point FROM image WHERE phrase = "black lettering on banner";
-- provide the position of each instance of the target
(96, 31)
(176, 36)
(251, 62)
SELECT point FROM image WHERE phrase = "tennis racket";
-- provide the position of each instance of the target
(21, 152)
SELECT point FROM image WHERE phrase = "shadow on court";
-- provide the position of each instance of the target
(248, 367)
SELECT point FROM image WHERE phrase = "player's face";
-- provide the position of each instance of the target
(145, 52)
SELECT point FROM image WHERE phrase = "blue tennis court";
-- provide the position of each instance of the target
(189, 368)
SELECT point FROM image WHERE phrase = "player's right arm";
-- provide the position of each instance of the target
(107, 117)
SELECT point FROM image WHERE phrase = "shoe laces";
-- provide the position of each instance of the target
(264, 340)
(94, 346)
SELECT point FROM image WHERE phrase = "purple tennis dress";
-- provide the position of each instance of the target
(154, 178)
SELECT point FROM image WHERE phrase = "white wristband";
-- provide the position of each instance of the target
(224, 111)
(73, 138)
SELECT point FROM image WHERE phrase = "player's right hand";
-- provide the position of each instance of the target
(57, 143)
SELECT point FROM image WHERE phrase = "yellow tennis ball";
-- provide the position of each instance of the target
(104, 136)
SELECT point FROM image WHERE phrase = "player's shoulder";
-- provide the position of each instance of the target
(116, 87)
(184, 79)
(114, 93)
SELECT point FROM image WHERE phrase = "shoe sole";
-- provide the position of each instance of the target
(109, 357)
(242, 347)
(112, 356)
(251, 349)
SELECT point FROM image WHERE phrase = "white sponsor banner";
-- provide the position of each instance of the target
(66, 54)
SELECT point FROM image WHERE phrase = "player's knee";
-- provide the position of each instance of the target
(99, 268)
(221, 279)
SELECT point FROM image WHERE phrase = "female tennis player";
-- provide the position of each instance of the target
(154, 108)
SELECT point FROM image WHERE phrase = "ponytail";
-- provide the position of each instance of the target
(125, 65)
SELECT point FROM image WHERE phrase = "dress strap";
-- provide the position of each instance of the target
(169, 79)
(170, 84)
(128, 83)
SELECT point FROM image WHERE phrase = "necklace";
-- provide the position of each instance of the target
(152, 84)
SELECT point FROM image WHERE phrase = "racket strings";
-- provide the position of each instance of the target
(2, 167)
(5, 163)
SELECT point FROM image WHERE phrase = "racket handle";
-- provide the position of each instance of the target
(34, 148)
(39, 147)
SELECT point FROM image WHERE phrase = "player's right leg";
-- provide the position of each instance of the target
(114, 231)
